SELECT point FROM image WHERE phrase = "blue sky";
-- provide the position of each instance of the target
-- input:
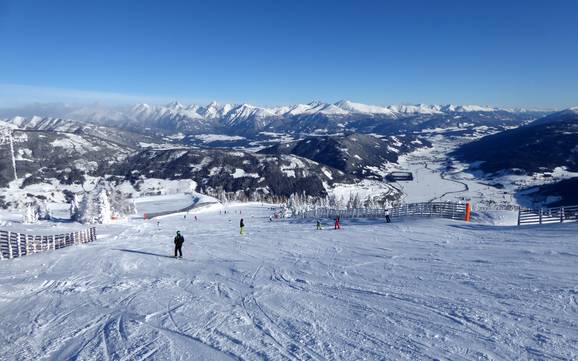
(506, 53)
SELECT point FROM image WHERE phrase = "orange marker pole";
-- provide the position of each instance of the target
(468, 210)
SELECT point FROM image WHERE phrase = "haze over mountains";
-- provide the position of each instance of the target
(246, 120)
(215, 110)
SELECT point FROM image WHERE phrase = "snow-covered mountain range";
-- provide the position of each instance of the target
(315, 117)
(234, 112)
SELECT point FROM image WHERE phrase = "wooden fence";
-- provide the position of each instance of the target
(548, 215)
(450, 210)
(14, 244)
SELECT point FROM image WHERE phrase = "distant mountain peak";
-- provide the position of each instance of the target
(316, 103)
(353, 107)
(175, 105)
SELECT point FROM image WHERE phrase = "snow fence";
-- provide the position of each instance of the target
(450, 210)
(548, 215)
(14, 244)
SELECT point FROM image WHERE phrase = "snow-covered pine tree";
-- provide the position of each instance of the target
(42, 210)
(31, 214)
(369, 203)
(85, 208)
(340, 203)
(74, 208)
(103, 209)
(95, 206)
(332, 201)
(221, 195)
(356, 202)
(119, 203)
(291, 203)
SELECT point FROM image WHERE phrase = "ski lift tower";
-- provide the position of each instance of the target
(7, 138)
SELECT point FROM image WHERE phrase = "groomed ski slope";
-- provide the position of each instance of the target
(416, 289)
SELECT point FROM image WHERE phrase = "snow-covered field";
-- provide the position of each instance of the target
(416, 289)
(166, 203)
(434, 182)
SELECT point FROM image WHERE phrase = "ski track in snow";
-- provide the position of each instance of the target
(414, 289)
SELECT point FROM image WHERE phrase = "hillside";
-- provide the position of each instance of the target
(233, 171)
(361, 155)
(540, 146)
(68, 157)
(113, 134)
(561, 193)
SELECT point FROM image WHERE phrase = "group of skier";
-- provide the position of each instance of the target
(337, 224)
(179, 239)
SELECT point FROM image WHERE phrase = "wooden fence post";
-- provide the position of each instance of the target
(561, 214)
(24, 241)
(540, 219)
(18, 246)
(10, 245)
(1, 239)
(28, 244)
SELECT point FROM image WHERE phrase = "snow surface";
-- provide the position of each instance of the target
(363, 108)
(240, 173)
(208, 138)
(164, 203)
(415, 289)
(434, 181)
(363, 189)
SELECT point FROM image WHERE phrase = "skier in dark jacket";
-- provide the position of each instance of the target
(242, 225)
(179, 240)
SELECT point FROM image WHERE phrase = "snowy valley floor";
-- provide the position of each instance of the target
(417, 289)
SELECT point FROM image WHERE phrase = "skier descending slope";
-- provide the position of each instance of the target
(179, 240)
(242, 226)
(337, 223)
(387, 219)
